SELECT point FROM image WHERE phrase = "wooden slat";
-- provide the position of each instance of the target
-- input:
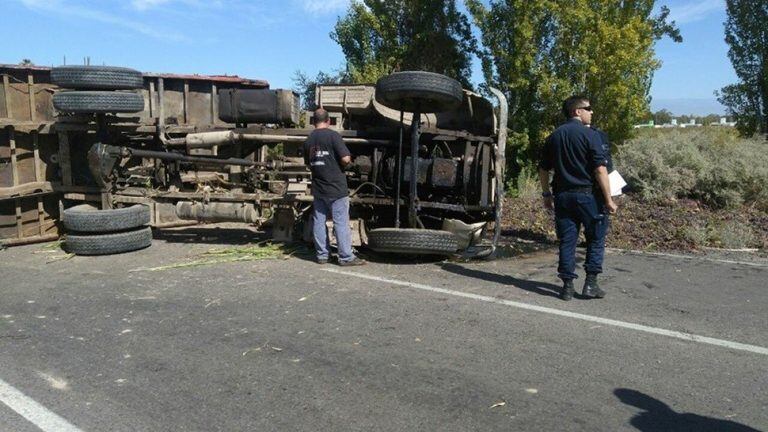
(14, 160)
(214, 105)
(31, 87)
(152, 104)
(19, 219)
(7, 93)
(39, 177)
(186, 102)
(64, 159)
(214, 114)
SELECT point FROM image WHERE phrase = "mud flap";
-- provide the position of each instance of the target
(466, 234)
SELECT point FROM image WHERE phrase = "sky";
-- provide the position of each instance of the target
(273, 39)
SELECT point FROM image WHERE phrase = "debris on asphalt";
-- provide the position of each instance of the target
(532, 390)
(499, 404)
(51, 247)
(258, 251)
(250, 350)
(59, 257)
(277, 349)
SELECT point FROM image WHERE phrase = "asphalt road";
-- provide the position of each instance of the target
(103, 344)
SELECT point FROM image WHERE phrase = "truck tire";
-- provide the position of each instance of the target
(97, 78)
(85, 102)
(427, 91)
(412, 241)
(88, 219)
(107, 244)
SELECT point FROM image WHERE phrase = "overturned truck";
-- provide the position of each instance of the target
(105, 153)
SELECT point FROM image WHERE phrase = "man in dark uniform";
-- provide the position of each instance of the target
(579, 194)
(606, 145)
(326, 154)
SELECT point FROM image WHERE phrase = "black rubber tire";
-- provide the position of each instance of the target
(107, 244)
(430, 92)
(88, 219)
(85, 102)
(412, 241)
(97, 78)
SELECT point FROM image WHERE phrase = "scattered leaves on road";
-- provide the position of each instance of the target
(255, 252)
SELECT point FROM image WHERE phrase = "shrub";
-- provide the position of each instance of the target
(735, 235)
(711, 164)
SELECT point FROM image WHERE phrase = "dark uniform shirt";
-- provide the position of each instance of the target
(606, 144)
(323, 151)
(573, 151)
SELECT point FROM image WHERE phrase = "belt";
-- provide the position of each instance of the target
(583, 189)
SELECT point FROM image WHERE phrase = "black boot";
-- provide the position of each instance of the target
(566, 293)
(591, 288)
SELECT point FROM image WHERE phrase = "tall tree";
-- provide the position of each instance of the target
(541, 51)
(746, 33)
(382, 36)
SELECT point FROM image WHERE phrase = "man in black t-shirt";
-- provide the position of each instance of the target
(326, 154)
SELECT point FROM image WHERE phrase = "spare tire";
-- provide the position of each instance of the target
(106, 244)
(85, 102)
(412, 241)
(97, 78)
(427, 91)
(85, 218)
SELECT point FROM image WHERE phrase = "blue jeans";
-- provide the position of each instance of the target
(572, 210)
(339, 210)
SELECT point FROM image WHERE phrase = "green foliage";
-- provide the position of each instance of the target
(379, 37)
(539, 52)
(662, 117)
(710, 164)
(747, 35)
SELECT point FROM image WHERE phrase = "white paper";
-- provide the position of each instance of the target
(617, 182)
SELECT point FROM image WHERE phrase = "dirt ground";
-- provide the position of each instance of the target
(680, 226)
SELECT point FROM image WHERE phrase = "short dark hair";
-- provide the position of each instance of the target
(321, 116)
(571, 104)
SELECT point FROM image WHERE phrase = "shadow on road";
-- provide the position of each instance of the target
(658, 416)
(209, 235)
(541, 288)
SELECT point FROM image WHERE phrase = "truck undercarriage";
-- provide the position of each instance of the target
(206, 149)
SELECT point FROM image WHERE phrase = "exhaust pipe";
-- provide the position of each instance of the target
(218, 212)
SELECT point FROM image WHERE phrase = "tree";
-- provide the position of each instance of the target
(539, 52)
(379, 37)
(663, 116)
(747, 35)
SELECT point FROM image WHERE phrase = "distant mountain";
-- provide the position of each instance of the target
(688, 106)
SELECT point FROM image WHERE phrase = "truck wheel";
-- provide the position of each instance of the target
(430, 92)
(107, 244)
(86, 102)
(97, 78)
(85, 218)
(412, 241)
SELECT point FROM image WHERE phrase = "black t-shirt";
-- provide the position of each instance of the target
(323, 151)
(573, 151)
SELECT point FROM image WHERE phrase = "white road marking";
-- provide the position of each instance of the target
(552, 311)
(37, 414)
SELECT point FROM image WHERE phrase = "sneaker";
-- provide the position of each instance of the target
(353, 262)
(591, 287)
(322, 260)
(566, 292)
